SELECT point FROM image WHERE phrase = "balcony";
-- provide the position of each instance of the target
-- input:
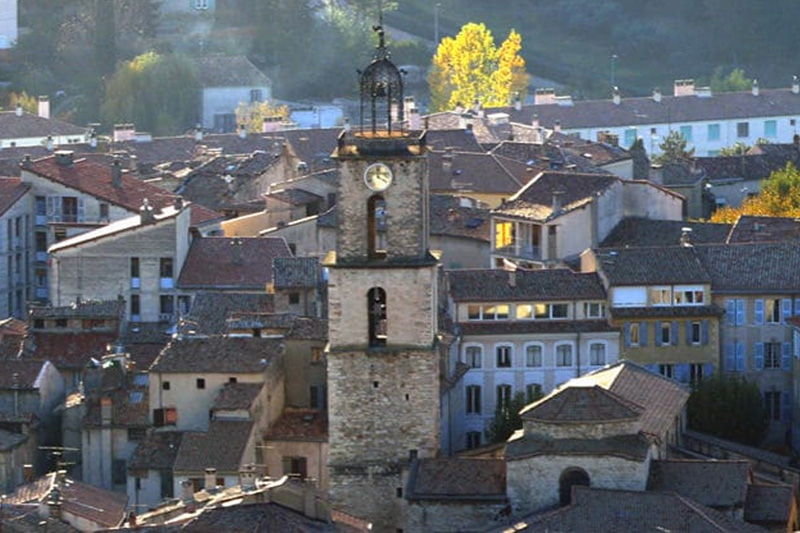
(521, 251)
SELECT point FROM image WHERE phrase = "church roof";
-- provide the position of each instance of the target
(582, 404)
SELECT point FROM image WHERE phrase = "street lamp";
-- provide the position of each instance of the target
(613, 70)
(436, 23)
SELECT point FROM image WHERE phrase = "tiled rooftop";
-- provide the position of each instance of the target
(30, 125)
(755, 229)
(713, 483)
(653, 265)
(222, 447)
(758, 266)
(635, 231)
(488, 285)
(21, 373)
(11, 190)
(582, 404)
(449, 218)
(236, 396)
(238, 355)
(458, 478)
(769, 504)
(211, 310)
(70, 350)
(301, 425)
(82, 309)
(157, 451)
(292, 272)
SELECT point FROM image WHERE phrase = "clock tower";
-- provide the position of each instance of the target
(383, 362)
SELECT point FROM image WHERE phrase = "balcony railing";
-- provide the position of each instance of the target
(523, 251)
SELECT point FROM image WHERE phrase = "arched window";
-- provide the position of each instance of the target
(376, 308)
(376, 227)
(569, 478)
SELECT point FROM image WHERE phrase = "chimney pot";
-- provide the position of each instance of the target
(146, 212)
(210, 479)
(795, 85)
(657, 95)
(198, 132)
(50, 144)
(615, 96)
(755, 87)
(44, 106)
(64, 158)
(18, 110)
(242, 132)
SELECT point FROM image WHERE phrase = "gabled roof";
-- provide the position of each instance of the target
(636, 231)
(30, 125)
(11, 190)
(300, 425)
(470, 171)
(296, 272)
(757, 164)
(458, 139)
(214, 263)
(236, 396)
(653, 265)
(236, 355)
(535, 200)
(228, 71)
(752, 267)
(211, 310)
(94, 504)
(449, 218)
(71, 350)
(91, 177)
(81, 309)
(487, 285)
(22, 373)
(621, 511)
(480, 128)
(751, 228)
(255, 517)
(222, 447)
(582, 404)
(313, 146)
(452, 478)
(157, 451)
(713, 483)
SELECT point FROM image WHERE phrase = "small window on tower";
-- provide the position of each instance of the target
(376, 227)
(376, 303)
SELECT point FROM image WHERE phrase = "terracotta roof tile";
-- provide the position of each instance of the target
(157, 451)
(96, 505)
(71, 350)
(456, 478)
(21, 373)
(257, 517)
(581, 404)
(214, 263)
(238, 355)
(130, 405)
(470, 172)
(450, 218)
(291, 272)
(458, 139)
(222, 447)
(83, 309)
(301, 425)
(236, 396)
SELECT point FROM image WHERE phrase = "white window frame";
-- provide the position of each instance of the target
(604, 345)
(660, 295)
(680, 293)
(571, 354)
(497, 348)
(466, 355)
(541, 354)
(594, 309)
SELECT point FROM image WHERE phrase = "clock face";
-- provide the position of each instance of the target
(378, 177)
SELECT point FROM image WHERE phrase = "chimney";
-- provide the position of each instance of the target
(686, 234)
(187, 491)
(414, 122)
(557, 126)
(18, 110)
(242, 132)
(535, 121)
(178, 203)
(683, 88)
(210, 479)
(198, 132)
(236, 250)
(133, 163)
(476, 107)
(54, 503)
(795, 85)
(26, 161)
(657, 95)
(44, 106)
(147, 213)
(116, 173)
(517, 102)
(544, 96)
(50, 144)
(105, 411)
(247, 477)
(755, 87)
(615, 96)
(64, 157)
(557, 194)
(447, 159)
(93, 140)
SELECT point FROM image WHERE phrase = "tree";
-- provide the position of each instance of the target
(734, 81)
(729, 408)
(156, 92)
(779, 197)
(739, 148)
(673, 149)
(469, 67)
(641, 163)
(252, 115)
(506, 417)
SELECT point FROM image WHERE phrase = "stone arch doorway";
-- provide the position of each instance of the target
(569, 478)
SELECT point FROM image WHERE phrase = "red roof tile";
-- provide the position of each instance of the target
(72, 350)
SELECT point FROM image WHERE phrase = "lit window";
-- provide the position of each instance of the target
(661, 296)
(634, 334)
(503, 234)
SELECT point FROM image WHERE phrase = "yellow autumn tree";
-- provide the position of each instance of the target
(779, 197)
(252, 116)
(470, 67)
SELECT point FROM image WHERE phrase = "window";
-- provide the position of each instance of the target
(119, 475)
(135, 273)
(597, 354)
(317, 397)
(201, 383)
(665, 335)
(742, 129)
(165, 385)
(695, 335)
(103, 211)
(376, 227)
(488, 312)
(666, 370)
(201, 4)
(136, 434)
(770, 128)
(593, 310)
(630, 136)
(503, 235)
(473, 356)
(772, 310)
(735, 312)
(686, 132)
(256, 95)
(473, 439)
(533, 355)
(61, 322)
(635, 334)
(69, 209)
(533, 392)
(165, 270)
(503, 356)
(317, 355)
(135, 307)
(695, 373)
(473, 312)
(661, 296)
(564, 355)
(167, 416)
(503, 396)
(713, 132)
(294, 298)
(376, 305)
(473, 399)
(772, 355)
(689, 296)
(233, 380)
(40, 242)
(295, 467)
(550, 310)
(772, 405)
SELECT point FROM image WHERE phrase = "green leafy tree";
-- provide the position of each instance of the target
(729, 408)
(641, 163)
(735, 80)
(739, 148)
(469, 67)
(158, 93)
(673, 149)
(507, 419)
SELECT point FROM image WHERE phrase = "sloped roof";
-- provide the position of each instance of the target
(213, 263)
(130, 406)
(72, 350)
(228, 71)
(637, 231)
(712, 483)
(222, 447)
(300, 425)
(211, 310)
(458, 139)
(535, 200)
(582, 404)
(11, 190)
(81, 309)
(752, 266)
(313, 146)
(449, 218)
(30, 125)
(750, 228)
(22, 373)
(97, 505)
(537, 327)
(157, 451)
(618, 511)
(458, 478)
(652, 265)
(292, 272)
(487, 285)
(255, 517)
(470, 171)
(769, 503)
(235, 396)
(237, 355)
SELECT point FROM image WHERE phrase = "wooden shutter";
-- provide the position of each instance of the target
(786, 309)
(759, 356)
(786, 356)
(740, 358)
(759, 311)
(674, 333)
(643, 334)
